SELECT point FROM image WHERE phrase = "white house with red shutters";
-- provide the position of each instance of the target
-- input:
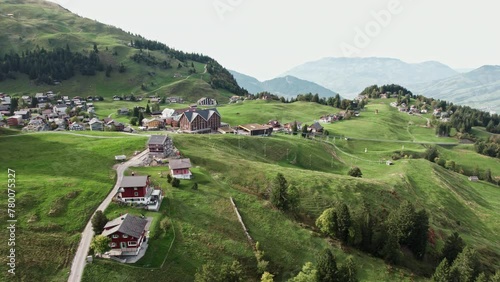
(127, 234)
(179, 168)
(139, 190)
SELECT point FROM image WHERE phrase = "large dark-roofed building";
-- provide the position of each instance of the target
(200, 121)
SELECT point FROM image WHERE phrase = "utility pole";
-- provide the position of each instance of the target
(265, 150)
(310, 161)
(287, 154)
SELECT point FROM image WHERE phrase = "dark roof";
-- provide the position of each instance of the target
(126, 224)
(316, 126)
(157, 140)
(133, 181)
(179, 163)
(254, 126)
(205, 114)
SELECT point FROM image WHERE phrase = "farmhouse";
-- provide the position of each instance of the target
(127, 234)
(473, 178)
(316, 128)
(155, 123)
(179, 168)
(207, 102)
(200, 121)
(255, 129)
(96, 125)
(158, 146)
(134, 188)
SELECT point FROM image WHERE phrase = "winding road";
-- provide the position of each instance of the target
(83, 248)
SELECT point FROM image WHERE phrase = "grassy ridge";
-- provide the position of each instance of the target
(47, 25)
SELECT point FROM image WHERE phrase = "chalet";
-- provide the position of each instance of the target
(235, 99)
(289, 126)
(15, 120)
(135, 189)
(179, 168)
(96, 125)
(115, 126)
(76, 127)
(155, 123)
(61, 108)
(127, 234)
(255, 129)
(158, 146)
(35, 125)
(207, 102)
(316, 128)
(23, 113)
(200, 121)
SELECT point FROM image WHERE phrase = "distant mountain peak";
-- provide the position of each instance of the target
(349, 76)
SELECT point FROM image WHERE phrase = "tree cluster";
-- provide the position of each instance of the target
(48, 66)
(382, 237)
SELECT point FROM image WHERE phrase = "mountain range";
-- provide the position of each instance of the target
(349, 76)
(479, 88)
(288, 86)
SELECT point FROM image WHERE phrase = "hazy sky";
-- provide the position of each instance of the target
(265, 38)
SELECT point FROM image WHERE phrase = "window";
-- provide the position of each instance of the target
(135, 188)
(132, 243)
(136, 194)
(116, 236)
(112, 245)
(125, 236)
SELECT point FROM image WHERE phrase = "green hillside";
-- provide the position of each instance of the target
(70, 174)
(35, 25)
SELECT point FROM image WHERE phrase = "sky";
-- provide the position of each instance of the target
(265, 38)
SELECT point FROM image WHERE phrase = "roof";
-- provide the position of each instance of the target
(126, 224)
(254, 126)
(157, 140)
(179, 163)
(94, 120)
(316, 126)
(205, 114)
(134, 181)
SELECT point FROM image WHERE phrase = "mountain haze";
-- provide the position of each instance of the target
(349, 76)
(288, 86)
(479, 88)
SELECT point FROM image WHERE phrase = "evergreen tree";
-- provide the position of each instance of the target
(467, 265)
(141, 117)
(176, 183)
(482, 278)
(391, 251)
(343, 222)
(148, 110)
(98, 221)
(326, 267)
(442, 272)
(307, 274)
(295, 128)
(453, 246)
(279, 192)
(348, 271)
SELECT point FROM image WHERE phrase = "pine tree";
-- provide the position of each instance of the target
(327, 267)
(279, 193)
(442, 272)
(343, 222)
(467, 265)
(453, 246)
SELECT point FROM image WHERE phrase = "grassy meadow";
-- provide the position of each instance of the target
(60, 180)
